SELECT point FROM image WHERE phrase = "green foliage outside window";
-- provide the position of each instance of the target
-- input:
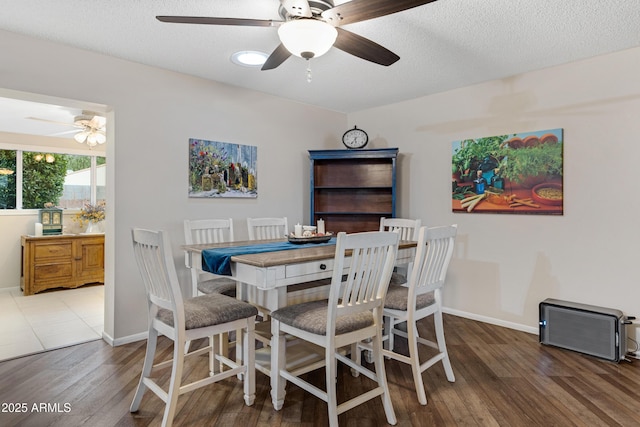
(78, 162)
(43, 181)
(8, 180)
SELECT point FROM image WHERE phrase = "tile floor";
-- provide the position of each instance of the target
(49, 320)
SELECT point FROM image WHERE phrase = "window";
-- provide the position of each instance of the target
(82, 171)
(7, 179)
(29, 179)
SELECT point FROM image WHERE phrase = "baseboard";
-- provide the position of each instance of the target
(492, 321)
(124, 340)
(13, 288)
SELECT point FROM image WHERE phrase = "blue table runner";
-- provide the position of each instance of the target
(218, 260)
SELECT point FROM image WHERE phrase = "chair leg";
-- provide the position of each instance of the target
(278, 362)
(412, 338)
(240, 350)
(152, 341)
(224, 346)
(392, 325)
(239, 342)
(248, 338)
(356, 356)
(174, 383)
(331, 371)
(442, 345)
(215, 366)
(381, 374)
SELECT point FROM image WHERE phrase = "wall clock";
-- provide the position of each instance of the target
(355, 138)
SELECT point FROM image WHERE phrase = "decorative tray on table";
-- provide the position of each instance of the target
(323, 238)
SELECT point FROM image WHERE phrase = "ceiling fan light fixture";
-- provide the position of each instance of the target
(81, 137)
(307, 38)
(97, 137)
(249, 58)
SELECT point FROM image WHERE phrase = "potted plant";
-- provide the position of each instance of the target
(92, 216)
(529, 166)
(467, 158)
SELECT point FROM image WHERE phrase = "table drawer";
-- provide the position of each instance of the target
(306, 268)
(53, 250)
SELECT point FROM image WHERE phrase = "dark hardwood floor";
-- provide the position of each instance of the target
(503, 378)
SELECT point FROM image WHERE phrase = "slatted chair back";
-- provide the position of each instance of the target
(433, 255)
(202, 231)
(267, 228)
(407, 228)
(158, 273)
(373, 256)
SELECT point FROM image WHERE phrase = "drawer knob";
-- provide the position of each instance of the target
(323, 266)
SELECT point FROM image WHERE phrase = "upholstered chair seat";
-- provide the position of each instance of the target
(397, 297)
(220, 285)
(209, 310)
(312, 317)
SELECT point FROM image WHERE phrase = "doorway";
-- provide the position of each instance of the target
(48, 124)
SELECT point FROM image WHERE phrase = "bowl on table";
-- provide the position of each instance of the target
(308, 230)
(310, 239)
(547, 193)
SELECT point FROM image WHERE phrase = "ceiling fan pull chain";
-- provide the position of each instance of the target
(308, 71)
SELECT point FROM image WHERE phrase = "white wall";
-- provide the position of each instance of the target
(506, 264)
(153, 113)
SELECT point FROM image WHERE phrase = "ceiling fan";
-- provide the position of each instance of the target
(91, 127)
(309, 28)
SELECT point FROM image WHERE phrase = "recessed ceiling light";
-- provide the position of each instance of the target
(249, 58)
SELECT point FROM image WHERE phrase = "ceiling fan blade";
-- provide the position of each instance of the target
(276, 58)
(51, 121)
(66, 132)
(361, 10)
(364, 48)
(219, 21)
(97, 122)
(297, 7)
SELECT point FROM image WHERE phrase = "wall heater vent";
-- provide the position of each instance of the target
(587, 329)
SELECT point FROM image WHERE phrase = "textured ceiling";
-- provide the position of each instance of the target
(442, 45)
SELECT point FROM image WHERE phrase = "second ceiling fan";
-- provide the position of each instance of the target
(309, 28)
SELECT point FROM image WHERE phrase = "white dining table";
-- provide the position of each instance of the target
(267, 275)
(276, 279)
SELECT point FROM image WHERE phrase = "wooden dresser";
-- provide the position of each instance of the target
(61, 261)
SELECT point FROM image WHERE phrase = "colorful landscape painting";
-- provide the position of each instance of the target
(519, 173)
(221, 169)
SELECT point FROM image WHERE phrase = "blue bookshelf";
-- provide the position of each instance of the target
(352, 189)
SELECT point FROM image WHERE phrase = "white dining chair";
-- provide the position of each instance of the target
(352, 313)
(408, 230)
(209, 231)
(182, 320)
(267, 228)
(419, 298)
(263, 229)
(203, 231)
